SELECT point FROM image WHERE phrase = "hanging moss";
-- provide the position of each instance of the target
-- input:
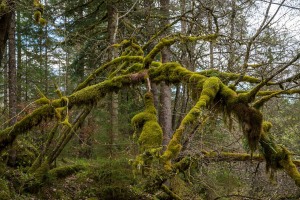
(250, 120)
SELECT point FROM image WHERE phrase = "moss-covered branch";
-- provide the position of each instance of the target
(33, 119)
(277, 157)
(91, 77)
(226, 77)
(170, 193)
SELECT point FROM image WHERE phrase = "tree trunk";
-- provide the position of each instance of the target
(112, 29)
(46, 72)
(12, 80)
(211, 44)
(5, 86)
(4, 28)
(19, 58)
(231, 38)
(165, 111)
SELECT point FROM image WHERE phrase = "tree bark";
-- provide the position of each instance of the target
(112, 29)
(4, 28)
(12, 80)
(19, 58)
(231, 37)
(165, 111)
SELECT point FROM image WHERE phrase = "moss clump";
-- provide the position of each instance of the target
(149, 135)
(37, 15)
(43, 21)
(210, 89)
(146, 126)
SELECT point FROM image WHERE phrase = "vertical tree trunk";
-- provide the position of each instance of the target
(46, 73)
(112, 29)
(165, 111)
(19, 58)
(231, 43)
(12, 80)
(211, 44)
(150, 28)
(5, 88)
(4, 28)
(26, 73)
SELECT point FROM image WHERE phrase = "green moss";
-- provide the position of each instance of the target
(267, 126)
(102, 68)
(250, 120)
(4, 190)
(226, 77)
(163, 43)
(37, 15)
(133, 68)
(210, 89)
(151, 136)
(277, 157)
(8, 135)
(170, 193)
(43, 100)
(173, 148)
(42, 21)
(147, 128)
(3, 7)
(64, 171)
(290, 168)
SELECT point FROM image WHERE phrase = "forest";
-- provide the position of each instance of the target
(150, 99)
